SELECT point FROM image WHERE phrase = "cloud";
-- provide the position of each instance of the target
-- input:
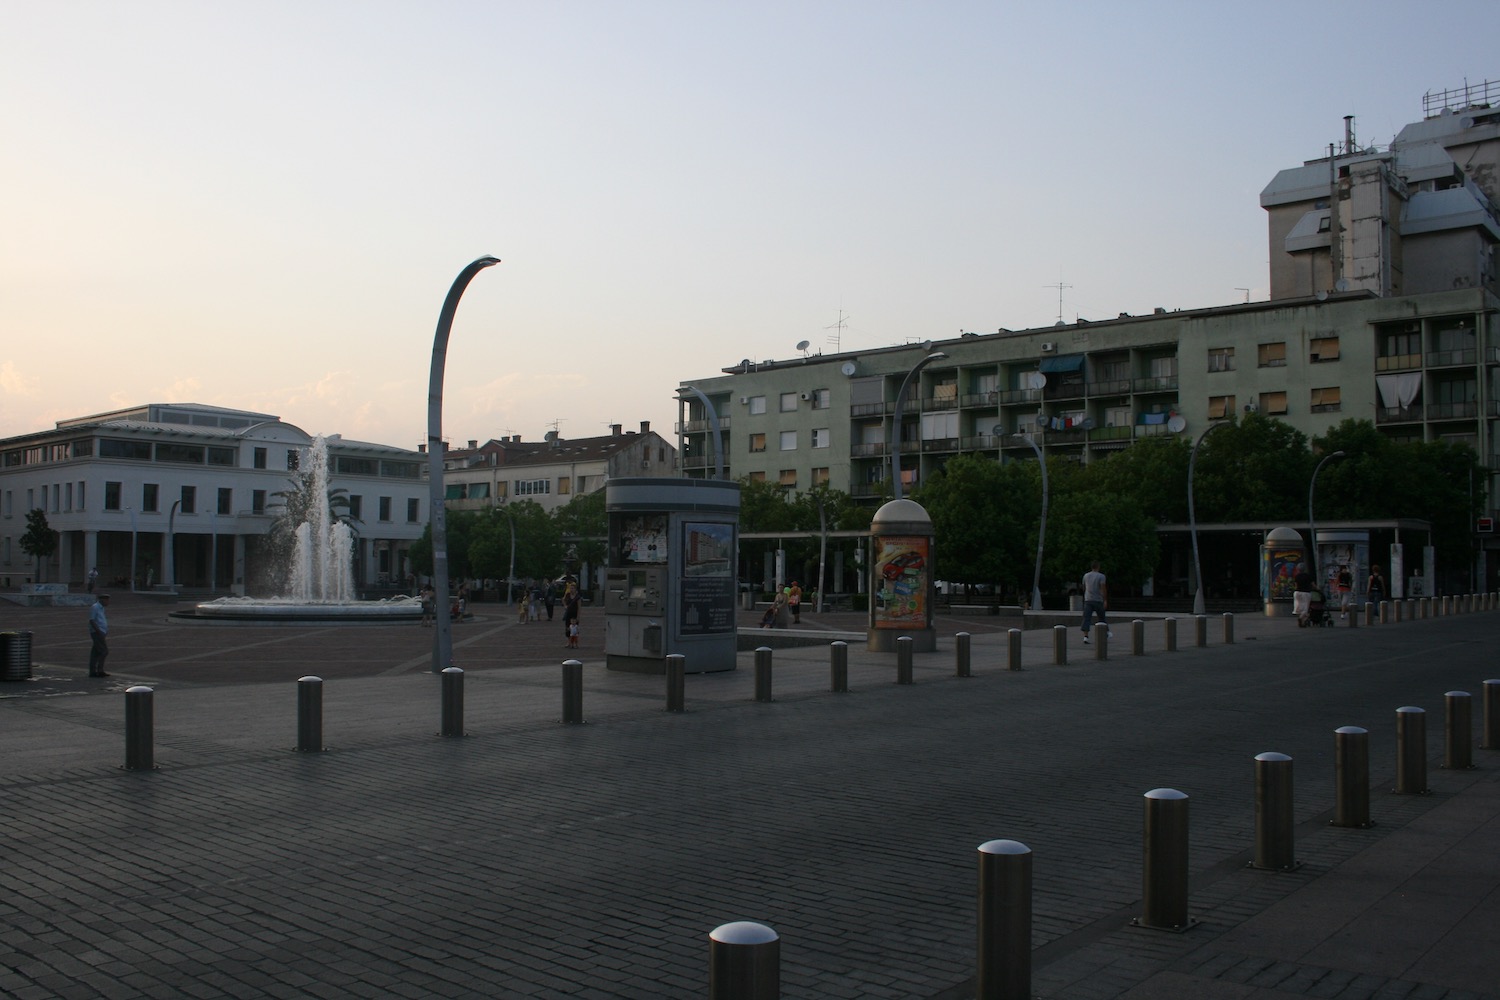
(15, 383)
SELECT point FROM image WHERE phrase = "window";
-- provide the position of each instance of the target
(820, 437)
(756, 477)
(533, 487)
(757, 442)
(565, 484)
(1221, 359)
(293, 460)
(190, 499)
(111, 496)
(1272, 355)
(1273, 402)
(150, 497)
(1117, 416)
(385, 508)
(260, 458)
(115, 448)
(81, 504)
(939, 426)
(413, 510)
(56, 498)
(1401, 343)
(8, 500)
(788, 479)
(257, 501)
(820, 476)
(1326, 399)
(1323, 349)
(757, 404)
(821, 399)
(350, 466)
(356, 506)
(788, 440)
(226, 500)
(788, 402)
(1220, 407)
(188, 454)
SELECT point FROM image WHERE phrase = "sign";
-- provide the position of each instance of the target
(902, 575)
(1486, 525)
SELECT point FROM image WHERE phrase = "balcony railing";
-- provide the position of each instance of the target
(1156, 383)
(867, 450)
(1110, 387)
(1450, 359)
(871, 409)
(980, 398)
(1452, 411)
(1008, 396)
(940, 444)
(1398, 414)
(701, 426)
(1398, 362)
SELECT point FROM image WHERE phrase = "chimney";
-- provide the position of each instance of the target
(645, 427)
(614, 429)
(422, 448)
(473, 444)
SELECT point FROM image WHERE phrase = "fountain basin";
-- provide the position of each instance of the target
(288, 611)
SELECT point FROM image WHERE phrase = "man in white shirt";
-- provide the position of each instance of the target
(98, 632)
(1095, 600)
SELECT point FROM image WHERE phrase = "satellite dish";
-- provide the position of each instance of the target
(1035, 380)
(847, 367)
(1176, 424)
(802, 345)
(1088, 423)
(1342, 285)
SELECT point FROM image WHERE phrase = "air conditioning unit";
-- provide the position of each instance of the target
(806, 396)
(744, 400)
(1048, 347)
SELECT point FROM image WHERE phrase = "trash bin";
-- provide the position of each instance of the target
(15, 656)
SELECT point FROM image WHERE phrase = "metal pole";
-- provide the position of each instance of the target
(1351, 777)
(169, 571)
(133, 536)
(1228, 628)
(763, 673)
(442, 638)
(453, 702)
(961, 654)
(1411, 751)
(1170, 627)
(139, 729)
(1165, 870)
(895, 438)
(1193, 519)
(904, 644)
(1138, 637)
(1059, 645)
(1014, 641)
(572, 691)
(838, 667)
(1041, 531)
(1458, 730)
(676, 683)
(310, 714)
(1312, 527)
(1004, 921)
(1101, 641)
(1200, 630)
(744, 962)
(1273, 812)
(1491, 730)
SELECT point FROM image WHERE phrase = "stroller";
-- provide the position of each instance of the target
(1310, 609)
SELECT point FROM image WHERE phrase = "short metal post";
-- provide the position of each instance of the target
(1491, 732)
(961, 655)
(1013, 637)
(744, 962)
(1354, 616)
(1425, 605)
(1165, 870)
(1396, 610)
(1273, 812)
(838, 667)
(904, 644)
(1351, 777)
(140, 728)
(453, 701)
(1004, 922)
(1369, 613)
(763, 673)
(1411, 751)
(309, 714)
(572, 691)
(1458, 730)
(1228, 628)
(1200, 630)
(1385, 612)
(1138, 637)
(1059, 645)
(676, 682)
(1170, 627)
(1100, 639)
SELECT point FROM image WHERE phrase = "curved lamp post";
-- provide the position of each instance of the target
(510, 581)
(1198, 608)
(1041, 533)
(171, 567)
(895, 438)
(133, 535)
(442, 640)
(1312, 526)
(713, 426)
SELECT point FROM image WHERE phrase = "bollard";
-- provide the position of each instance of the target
(1385, 612)
(1351, 777)
(838, 667)
(310, 715)
(453, 702)
(1101, 641)
(763, 673)
(904, 644)
(1396, 611)
(1059, 645)
(1138, 637)
(1004, 966)
(139, 729)
(744, 962)
(961, 655)
(1458, 731)
(1491, 732)
(572, 691)
(676, 682)
(1228, 628)
(1425, 604)
(1354, 616)
(1200, 630)
(1273, 812)
(1369, 613)
(1165, 868)
(1014, 648)
(1170, 626)
(1411, 751)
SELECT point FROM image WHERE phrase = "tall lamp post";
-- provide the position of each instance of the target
(442, 640)
(895, 438)
(1041, 532)
(713, 426)
(510, 581)
(1312, 526)
(1198, 607)
(133, 535)
(171, 567)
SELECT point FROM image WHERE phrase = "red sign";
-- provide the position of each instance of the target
(1486, 525)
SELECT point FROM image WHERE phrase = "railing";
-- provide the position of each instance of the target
(696, 461)
(699, 426)
(940, 444)
(979, 398)
(1325, 407)
(1008, 396)
(1112, 387)
(1111, 433)
(939, 402)
(867, 450)
(1156, 383)
(1470, 95)
(1396, 362)
(1449, 359)
(871, 409)
(866, 489)
(1398, 414)
(1452, 411)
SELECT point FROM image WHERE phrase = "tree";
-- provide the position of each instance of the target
(1154, 471)
(584, 530)
(40, 541)
(1109, 528)
(982, 515)
(294, 507)
(539, 548)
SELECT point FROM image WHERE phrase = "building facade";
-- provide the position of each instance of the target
(116, 485)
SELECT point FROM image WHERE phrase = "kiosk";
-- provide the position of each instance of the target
(901, 579)
(669, 583)
(1282, 556)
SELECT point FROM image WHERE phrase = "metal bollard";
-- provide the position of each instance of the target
(1385, 612)
(139, 729)
(676, 682)
(572, 691)
(453, 702)
(1059, 645)
(1004, 966)
(744, 962)
(1396, 610)
(1165, 869)
(1411, 751)
(1425, 605)
(1354, 616)
(1228, 628)
(1369, 613)
(961, 655)
(1491, 730)
(838, 667)
(1100, 639)
(904, 644)
(1200, 630)
(1170, 627)
(763, 673)
(1273, 812)
(310, 715)
(1458, 731)
(1351, 778)
(1013, 638)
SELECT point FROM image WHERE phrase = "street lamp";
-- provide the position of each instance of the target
(713, 425)
(511, 579)
(171, 567)
(1041, 533)
(1193, 521)
(895, 438)
(133, 534)
(1312, 527)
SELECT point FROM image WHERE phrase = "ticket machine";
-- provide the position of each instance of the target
(669, 583)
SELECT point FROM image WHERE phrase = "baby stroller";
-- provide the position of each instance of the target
(1310, 609)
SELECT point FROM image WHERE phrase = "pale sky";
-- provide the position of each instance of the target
(261, 205)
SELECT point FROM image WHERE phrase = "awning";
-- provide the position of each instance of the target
(1068, 363)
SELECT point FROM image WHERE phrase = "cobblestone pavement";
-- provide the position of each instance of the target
(534, 859)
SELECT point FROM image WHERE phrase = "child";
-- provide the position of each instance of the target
(573, 635)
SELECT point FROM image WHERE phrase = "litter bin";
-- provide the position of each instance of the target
(15, 656)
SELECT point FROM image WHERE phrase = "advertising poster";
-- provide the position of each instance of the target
(707, 578)
(1282, 563)
(903, 569)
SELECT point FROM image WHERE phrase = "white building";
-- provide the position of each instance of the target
(120, 482)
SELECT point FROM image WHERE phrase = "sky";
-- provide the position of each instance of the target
(262, 205)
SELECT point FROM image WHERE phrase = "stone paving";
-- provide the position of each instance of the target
(535, 859)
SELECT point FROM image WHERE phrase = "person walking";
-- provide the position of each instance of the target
(1375, 587)
(794, 601)
(93, 578)
(570, 613)
(99, 635)
(1095, 600)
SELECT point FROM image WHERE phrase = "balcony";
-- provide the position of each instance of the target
(701, 426)
(980, 398)
(1010, 396)
(1398, 362)
(1451, 359)
(867, 450)
(871, 409)
(1398, 414)
(1452, 411)
(939, 444)
(696, 461)
(1110, 387)
(1155, 383)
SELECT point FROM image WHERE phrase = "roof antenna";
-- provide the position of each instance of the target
(1059, 286)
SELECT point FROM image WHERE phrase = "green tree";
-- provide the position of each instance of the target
(1154, 471)
(765, 506)
(983, 516)
(39, 541)
(1254, 469)
(1111, 528)
(584, 530)
(539, 549)
(460, 527)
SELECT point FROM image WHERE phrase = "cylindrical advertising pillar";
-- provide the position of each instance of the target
(901, 578)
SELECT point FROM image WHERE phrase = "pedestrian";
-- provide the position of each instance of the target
(534, 608)
(99, 634)
(1375, 587)
(573, 635)
(1345, 583)
(570, 612)
(1095, 600)
(429, 597)
(794, 602)
(93, 578)
(549, 599)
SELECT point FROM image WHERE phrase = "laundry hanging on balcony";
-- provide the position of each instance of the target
(1399, 391)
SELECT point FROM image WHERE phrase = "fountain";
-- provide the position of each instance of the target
(320, 578)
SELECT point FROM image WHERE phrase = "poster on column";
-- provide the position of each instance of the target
(902, 568)
(707, 578)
